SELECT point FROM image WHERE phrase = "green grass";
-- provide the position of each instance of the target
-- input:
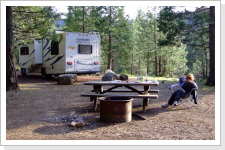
(17, 66)
(156, 78)
(201, 83)
(163, 78)
(202, 86)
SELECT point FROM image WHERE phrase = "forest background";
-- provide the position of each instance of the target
(132, 46)
(159, 42)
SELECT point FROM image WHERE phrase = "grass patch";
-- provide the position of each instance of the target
(202, 86)
(164, 79)
(207, 88)
(156, 78)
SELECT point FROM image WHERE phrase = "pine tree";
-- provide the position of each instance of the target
(11, 77)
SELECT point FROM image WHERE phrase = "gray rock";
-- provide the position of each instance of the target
(66, 79)
(110, 77)
(123, 77)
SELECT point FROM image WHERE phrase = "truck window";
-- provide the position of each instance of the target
(84, 49)
(54, 48)
(24, 50)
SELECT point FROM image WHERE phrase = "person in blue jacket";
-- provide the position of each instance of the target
(187, 87)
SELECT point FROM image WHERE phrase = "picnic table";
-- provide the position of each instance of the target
(130, 87)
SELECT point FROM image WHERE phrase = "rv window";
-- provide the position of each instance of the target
(24, 51)
(84, 49)
(54, 48)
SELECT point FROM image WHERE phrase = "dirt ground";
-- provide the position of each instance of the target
(34, 114)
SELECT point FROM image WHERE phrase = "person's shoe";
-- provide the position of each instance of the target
(165, 105)
(175, 103)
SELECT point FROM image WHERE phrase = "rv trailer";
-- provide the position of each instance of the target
(72, 53)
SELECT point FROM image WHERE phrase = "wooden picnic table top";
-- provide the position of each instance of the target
(122, 83)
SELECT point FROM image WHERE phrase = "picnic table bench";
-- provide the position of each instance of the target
(131, 87)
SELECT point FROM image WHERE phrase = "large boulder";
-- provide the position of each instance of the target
(110, 76)
(66, 79)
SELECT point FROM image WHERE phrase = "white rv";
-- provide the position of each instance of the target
(77, 53)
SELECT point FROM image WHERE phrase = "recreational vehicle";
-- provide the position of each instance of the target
(71, 53)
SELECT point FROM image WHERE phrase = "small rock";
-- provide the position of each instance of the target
(123, 77)
(73, 124)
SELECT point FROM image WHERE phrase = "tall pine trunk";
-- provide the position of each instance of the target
(155, 49)
(11, 77)
(211, 79)
(109, 65)
(83, 20)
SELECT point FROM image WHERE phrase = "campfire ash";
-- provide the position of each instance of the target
(71, 120)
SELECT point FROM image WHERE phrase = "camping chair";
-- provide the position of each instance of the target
(188, 97)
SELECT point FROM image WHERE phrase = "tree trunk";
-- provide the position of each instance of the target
(211, 79)
(160, 65)
(156, 61)
(206, 64)
(109, 66)
(148, 63)
(131, 64)
(11, 77)
(83, 26)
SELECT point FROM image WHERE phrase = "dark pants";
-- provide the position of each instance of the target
(176, 96)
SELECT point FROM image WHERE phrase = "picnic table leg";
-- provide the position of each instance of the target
(92, 99)
(146, 88)
(145, 103)
(98, 89)
(145, 100)
(95, 103)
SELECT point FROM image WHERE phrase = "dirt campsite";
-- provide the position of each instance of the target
(39, 109)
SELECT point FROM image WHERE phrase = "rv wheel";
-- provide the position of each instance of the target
(23, 71)
(44, 75)
(43, 72)
(23, 74)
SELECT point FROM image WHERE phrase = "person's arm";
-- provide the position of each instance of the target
(181, 87)
(194, 85)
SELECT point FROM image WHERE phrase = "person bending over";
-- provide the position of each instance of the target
(185, 88)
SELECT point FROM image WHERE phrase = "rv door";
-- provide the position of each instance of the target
(38, 44)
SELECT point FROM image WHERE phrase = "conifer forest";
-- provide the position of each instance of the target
(161, 41)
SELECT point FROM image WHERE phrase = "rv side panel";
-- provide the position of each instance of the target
(53, 59)
(26, 57)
